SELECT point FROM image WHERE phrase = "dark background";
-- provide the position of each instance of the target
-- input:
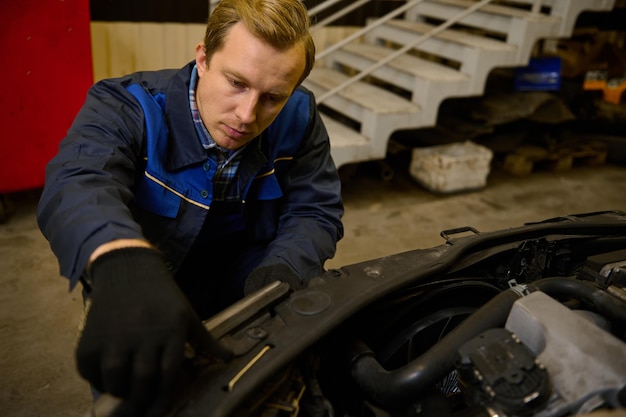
(196, 11)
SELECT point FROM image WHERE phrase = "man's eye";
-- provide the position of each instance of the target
(235, 83)
(273, 99)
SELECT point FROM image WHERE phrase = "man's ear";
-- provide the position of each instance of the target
(201, 58)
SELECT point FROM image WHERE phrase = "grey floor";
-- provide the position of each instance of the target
(39, 316)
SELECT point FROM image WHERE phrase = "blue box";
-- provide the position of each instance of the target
(541, 74)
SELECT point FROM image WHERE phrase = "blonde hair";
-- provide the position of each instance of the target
(280, 23)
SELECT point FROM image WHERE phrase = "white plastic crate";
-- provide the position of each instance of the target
(450, 168)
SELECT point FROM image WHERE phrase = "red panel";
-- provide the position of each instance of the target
(45, 73)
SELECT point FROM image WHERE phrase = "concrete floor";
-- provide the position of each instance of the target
(39, 316)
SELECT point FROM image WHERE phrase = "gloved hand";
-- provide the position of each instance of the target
(264, 275)
(136, 326)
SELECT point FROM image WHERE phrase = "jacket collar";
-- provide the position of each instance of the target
(184, 147)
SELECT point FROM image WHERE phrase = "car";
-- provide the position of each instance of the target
(526, 321)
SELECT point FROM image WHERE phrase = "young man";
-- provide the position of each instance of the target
(176, 192)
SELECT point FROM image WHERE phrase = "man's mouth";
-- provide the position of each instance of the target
(234, 133)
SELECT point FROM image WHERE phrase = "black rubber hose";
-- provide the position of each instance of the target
(606, 304)
(402, 386)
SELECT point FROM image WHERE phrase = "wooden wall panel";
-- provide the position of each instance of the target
(123, 48)
(120, 48)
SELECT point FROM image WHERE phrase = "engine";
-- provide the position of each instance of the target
(548, 361)
(550, 345)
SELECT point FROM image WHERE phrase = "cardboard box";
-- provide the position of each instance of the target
(451, 168)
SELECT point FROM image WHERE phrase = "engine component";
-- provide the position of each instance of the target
(607, 268)
(400, 386)
(586, 364)
(499, 371)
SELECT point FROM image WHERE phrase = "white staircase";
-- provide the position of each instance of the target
(394, 73)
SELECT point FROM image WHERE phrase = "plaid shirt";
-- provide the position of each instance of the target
(225, 178)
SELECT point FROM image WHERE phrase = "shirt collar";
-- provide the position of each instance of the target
(205, 138)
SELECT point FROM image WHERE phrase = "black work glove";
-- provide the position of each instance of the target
(264, 275)
(136, 327)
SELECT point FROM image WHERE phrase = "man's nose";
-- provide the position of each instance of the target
(246, 110)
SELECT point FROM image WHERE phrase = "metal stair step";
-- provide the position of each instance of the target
(455, 36)
(490, 10)
(429, 83)
(342, 135)
(347, 145)
(567, 10)
(516, 26)
(364, 95)
(378, 112)
(408, 64)
(474, 55)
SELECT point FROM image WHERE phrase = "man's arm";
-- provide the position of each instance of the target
(137, 321)
(310, 220)
(85, 201)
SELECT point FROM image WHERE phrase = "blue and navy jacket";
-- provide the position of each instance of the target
(132, 166)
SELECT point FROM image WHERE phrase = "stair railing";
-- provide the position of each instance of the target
(338, 14)
(323, 6)
(367, 71)
(374, 24)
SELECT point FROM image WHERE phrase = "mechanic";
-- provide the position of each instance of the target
(177, 192)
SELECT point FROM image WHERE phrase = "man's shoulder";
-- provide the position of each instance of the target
(300, 102)
(152, 80)
(302, 93)
(294, 121)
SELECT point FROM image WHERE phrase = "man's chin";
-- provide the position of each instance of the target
(232, 144)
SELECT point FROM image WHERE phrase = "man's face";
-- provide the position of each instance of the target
(244, 86)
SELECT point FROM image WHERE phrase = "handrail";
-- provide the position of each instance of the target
(338, 14)
(378, 22)
(402, 50)
(323, 6)
(212, 3)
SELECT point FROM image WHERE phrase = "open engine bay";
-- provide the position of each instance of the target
(527, 321)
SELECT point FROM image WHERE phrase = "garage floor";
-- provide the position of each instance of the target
(39, 316)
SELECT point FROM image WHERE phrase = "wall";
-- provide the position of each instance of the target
(122, 47)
